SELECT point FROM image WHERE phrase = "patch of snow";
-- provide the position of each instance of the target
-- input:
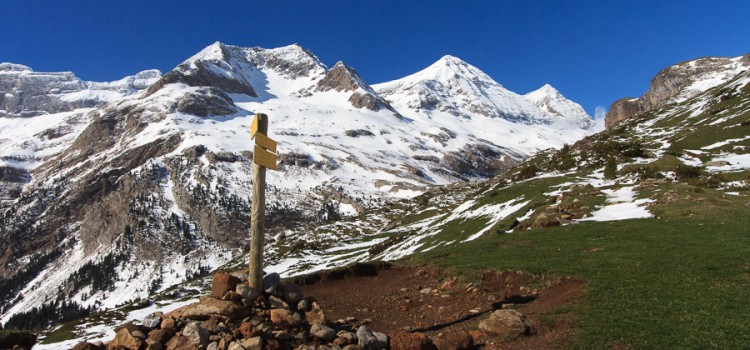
(621, 205)
(737, 162)
(725, 142)
(346, 209)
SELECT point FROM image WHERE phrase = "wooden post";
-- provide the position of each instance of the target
(257, 216)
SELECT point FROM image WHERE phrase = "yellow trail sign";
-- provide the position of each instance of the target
(264, 158)
(254, 127)
(265, 142)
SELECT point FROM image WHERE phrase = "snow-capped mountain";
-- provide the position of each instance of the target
(154, 186)
(455, 87)
(561, 109)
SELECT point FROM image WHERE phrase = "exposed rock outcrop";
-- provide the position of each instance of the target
(344, 78)
(205, 102)
(673, 82)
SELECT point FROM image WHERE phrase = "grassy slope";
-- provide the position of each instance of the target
(673, 282)
(676, 281)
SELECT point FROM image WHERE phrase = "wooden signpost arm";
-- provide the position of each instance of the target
(257, 218)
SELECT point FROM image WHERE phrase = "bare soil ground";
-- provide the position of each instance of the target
(427, 299)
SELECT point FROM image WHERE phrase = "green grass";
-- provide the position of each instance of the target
(675, 282)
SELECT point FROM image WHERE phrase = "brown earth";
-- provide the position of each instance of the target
(392, 298)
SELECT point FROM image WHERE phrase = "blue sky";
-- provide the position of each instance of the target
(594, 52)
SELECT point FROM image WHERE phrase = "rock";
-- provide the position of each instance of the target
(223, 283)
(284, 318)
(316, 315)
(425, 291)
(246, 291)
(151, 321)
(153, 345)
(242, 275)
(213, 325)
(718, 163)
(213, 346)
(277, 303)
(348, 337)
(477, 336)
(210, 306)
(291, 293)
(370, 340)
(448, 284)
(180, 342)
(196, 334)
(506, 323)
(461, 340)
(271, 282)
(382, 340)
(235, 346)
(168, 323)
(254, 343)
(401, 340)
(305, 305)
(138, 334)
(323, 332)
(352, 347)
(125, 340)
(248, 330)
(282, 335)
(161, 335)
(233, 296)
(84, 345)
(131, 327)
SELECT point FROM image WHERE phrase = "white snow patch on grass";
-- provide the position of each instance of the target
(621, 205)
(725, 142)
(737, 162)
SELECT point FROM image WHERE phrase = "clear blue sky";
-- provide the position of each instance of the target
(594, 52)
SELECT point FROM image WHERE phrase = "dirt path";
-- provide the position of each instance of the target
(426, 299)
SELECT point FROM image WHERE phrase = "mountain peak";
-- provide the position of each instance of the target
(449, 59)
(558, 106)
(453, 64)
(340, 78)
(546, 91)
(214, 51)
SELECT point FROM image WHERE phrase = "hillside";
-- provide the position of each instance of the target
(111, 192)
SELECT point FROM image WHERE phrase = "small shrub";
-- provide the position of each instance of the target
(610, 169)
(526, 172)
(684, 172)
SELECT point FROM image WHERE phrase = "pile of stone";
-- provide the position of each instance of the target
(238, 317)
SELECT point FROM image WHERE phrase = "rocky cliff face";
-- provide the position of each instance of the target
(26, 93)
(678, 83)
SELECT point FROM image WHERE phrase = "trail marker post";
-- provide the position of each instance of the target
(264, 156)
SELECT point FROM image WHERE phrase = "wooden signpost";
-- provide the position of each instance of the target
(264, 156)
